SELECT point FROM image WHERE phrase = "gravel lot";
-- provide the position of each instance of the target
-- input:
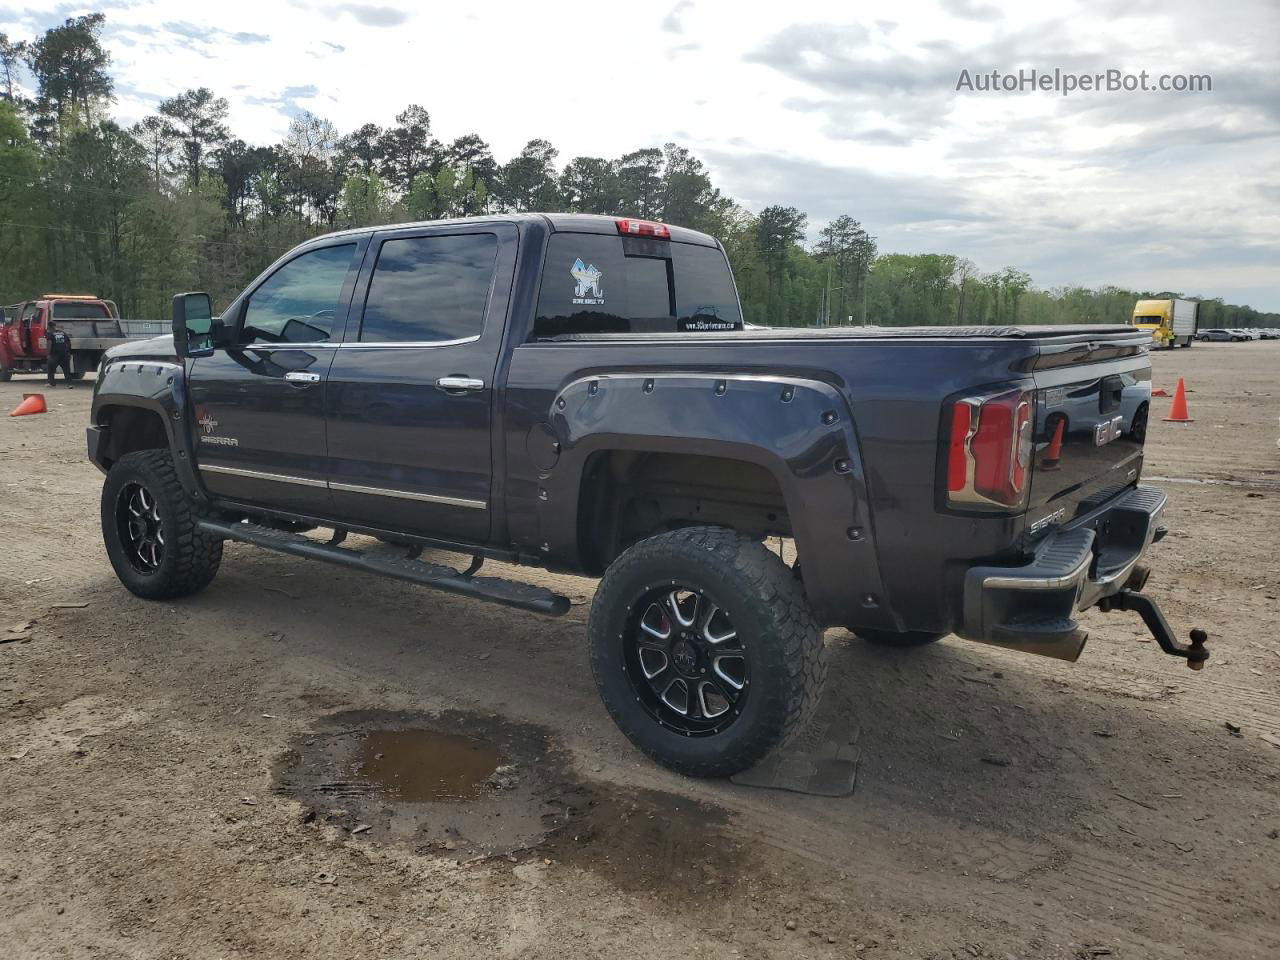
(174, 778)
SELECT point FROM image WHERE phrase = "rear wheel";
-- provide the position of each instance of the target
(150, 531)
(704, 650)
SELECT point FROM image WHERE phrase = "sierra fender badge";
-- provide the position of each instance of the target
(208, 424)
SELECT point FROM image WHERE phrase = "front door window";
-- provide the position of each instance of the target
(298, 303)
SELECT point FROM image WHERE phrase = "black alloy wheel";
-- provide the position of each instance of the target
(140, 528)
(684, 660)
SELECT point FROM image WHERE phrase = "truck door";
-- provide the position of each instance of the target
(411, 391)
(259, 404)
(29, 329)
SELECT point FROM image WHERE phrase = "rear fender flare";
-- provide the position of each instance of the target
(799, 429)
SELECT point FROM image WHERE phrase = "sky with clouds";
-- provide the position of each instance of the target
(830, 107)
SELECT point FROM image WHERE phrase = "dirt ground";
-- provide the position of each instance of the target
(175, 779)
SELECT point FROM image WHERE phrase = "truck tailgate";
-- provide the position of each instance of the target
(1092, 407)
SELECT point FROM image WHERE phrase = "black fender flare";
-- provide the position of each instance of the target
(156, 385)
(799, 429)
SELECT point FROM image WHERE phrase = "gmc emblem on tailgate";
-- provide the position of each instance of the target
(1108, 430)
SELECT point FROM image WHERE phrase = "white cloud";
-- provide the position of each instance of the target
(828, 106)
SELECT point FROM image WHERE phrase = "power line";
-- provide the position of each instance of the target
(104, 233)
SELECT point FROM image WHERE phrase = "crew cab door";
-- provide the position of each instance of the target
(411, 391)
(259, 403)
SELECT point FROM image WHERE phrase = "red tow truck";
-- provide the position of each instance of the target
(92, 323)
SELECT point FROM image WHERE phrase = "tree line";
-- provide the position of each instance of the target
(178, 202)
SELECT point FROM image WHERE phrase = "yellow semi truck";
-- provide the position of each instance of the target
(1172, 322)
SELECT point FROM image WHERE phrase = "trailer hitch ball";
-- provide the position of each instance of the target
(1197, 650)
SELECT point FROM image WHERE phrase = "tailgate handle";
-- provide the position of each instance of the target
(1111, 394)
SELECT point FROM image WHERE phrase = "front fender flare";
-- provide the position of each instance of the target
(161, 387)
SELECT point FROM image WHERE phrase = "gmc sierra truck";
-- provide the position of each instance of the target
(579, 393)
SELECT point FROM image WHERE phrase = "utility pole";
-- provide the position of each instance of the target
(826, 297)
(866, 275)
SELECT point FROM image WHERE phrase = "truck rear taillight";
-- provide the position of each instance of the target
(643, 228)
(989, 450)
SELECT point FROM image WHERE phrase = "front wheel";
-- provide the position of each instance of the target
(150, 531)
(704, 650)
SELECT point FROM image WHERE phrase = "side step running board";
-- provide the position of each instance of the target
(507, 592)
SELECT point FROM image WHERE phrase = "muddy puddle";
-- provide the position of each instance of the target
(475, 787)
(425, 766)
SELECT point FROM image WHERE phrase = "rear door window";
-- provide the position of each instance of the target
(430, 289)
(594, 283)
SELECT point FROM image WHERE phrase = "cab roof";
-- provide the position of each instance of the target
(557, 222)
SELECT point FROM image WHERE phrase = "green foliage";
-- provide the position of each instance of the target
(22, 243)
(365, 201)
(197, 122)
(178, 203)
(70, 67)
(408, 149)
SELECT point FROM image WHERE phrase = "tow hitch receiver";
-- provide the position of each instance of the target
(1195, 652)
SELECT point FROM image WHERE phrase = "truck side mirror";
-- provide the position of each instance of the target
(192, 322)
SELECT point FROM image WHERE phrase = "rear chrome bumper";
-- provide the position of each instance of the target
(1032, 607)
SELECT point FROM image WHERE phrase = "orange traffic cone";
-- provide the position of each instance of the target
(1178, 412)
(1159, 392)
(1054, 453)
(31, 403)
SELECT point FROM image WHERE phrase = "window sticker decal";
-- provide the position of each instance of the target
(587, 291)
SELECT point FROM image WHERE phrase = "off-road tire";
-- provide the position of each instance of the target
(77, 375)
(900, 641)
(190, 558)
(769, 611)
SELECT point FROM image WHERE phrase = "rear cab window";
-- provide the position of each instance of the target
(79, 310)
(596, 283)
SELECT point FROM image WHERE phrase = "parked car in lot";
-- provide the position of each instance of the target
(579, 393)
(1218, 334)
(1269, 334)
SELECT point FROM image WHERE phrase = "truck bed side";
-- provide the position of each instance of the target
(873, 544)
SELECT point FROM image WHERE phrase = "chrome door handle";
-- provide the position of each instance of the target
(301, 376)
(460, 384)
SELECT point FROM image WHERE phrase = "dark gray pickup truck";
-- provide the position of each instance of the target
(579, 393)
